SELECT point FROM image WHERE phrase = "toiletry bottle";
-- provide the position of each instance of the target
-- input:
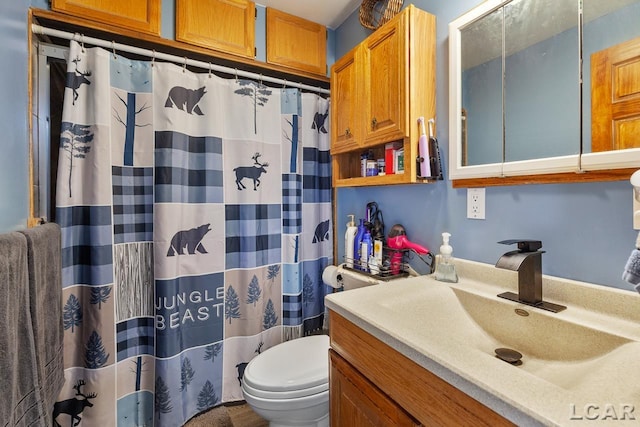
(357, 243)
(366, 250)
(445, 269)
(349, 238)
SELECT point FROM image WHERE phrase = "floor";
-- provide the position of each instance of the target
(229, 415)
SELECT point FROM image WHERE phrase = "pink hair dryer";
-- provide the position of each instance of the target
(397, 239)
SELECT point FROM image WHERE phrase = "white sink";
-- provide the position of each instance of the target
(585, 354)
(555, 347)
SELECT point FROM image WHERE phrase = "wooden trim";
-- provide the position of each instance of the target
(60, 21)
(31, 220)
(425, 396)
(554, 178)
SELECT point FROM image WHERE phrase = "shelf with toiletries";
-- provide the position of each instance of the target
(379, 90)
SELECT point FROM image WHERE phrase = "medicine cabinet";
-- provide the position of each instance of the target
(523, 86)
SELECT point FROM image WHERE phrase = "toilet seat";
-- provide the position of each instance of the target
(293, 369)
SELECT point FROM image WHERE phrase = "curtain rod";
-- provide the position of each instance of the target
(39, 29)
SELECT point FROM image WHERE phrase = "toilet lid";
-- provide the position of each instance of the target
(300, 366)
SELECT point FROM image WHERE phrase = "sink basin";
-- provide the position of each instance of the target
(556, 347)
(583, 356)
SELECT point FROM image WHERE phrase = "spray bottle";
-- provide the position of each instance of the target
(445, 269)
(349, 240)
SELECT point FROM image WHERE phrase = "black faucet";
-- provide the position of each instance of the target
(527, 261)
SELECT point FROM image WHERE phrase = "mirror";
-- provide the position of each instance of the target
(607, 26)
(515, 72)
(481, 58)
(541, 79)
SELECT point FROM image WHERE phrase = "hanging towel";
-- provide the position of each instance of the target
(45, 296)
(632, 269)
(20, 404)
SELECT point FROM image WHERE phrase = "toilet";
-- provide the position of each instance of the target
(288, 384)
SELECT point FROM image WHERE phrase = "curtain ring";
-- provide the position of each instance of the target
(209, 69)
(284, 85)
(113, 49)
(260, 79)
(82, 42)
(153, 58)
(184, 66)
(236, 75)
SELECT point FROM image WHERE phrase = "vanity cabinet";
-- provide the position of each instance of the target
(378, 91)
(374, 384)
(224, 25)
(355, 401)
(139, 15)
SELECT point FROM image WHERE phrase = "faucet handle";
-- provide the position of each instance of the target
(524, 245)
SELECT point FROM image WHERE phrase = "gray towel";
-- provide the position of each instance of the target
(631, 271)
(45, 295)
(21, 404)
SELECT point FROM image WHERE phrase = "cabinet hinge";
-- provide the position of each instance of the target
(255, 52)
(255, 12)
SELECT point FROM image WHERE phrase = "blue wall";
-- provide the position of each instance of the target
(14, 161)
(586, 228)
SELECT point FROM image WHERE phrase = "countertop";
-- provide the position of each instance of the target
(393, 313)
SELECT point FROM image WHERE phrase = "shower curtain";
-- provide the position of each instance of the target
(196, 222)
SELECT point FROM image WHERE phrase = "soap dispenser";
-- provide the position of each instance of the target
(445, 269)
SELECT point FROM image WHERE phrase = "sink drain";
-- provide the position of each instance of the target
(509, 355)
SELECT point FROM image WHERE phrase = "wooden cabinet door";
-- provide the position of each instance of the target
(615, 97)
(344, 99)
(296, 43)
(384, 87)
(140, 15)
(354, 401)
(224, 25)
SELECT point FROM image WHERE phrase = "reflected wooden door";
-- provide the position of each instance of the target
(615, 97)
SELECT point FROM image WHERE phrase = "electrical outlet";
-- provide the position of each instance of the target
(475, 203)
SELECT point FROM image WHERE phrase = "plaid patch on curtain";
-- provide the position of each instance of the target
(87, 256)
(188, 168)
(135, 337)
(291, 309)
(317, 175)
(291, 203)
(132, 204)
(253, 235)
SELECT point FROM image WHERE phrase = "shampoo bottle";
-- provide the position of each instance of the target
(445, 269)
(349, 240)
(357, 242)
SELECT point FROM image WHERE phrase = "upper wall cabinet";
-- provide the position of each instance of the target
(140, 15)
(224, 25)
(296, 43)
(532, 103)
(378, 91)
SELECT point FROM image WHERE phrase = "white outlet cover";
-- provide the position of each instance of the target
(476, 203)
